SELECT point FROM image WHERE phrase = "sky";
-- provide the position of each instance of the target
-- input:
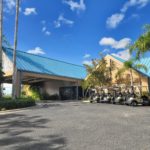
(76, 31)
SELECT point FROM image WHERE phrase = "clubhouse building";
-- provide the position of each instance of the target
(55, 77)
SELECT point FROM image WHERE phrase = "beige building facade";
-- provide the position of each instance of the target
(139, 79)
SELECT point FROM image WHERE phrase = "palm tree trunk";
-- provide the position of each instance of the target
(131, 76)
(1, 35)
(14, 78)
(110, 69)
(86, 92)
(140, 84)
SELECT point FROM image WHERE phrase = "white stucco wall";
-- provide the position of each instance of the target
(52, 87)
(7, 64)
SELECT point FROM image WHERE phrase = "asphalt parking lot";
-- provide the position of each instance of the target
(76, 126)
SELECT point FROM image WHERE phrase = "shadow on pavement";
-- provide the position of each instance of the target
(53, 142)
(19, 132)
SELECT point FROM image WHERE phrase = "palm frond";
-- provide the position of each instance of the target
(142, 44)
(120, 72)
(141, 66)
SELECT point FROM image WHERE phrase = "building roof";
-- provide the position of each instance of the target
(144, 61)
(118, 58)
(39, 64)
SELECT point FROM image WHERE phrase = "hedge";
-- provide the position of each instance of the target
(14, 104)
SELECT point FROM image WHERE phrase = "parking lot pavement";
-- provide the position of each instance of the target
(76, 126)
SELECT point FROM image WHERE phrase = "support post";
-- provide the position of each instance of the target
(14, 52)
(18, 84)
(77, 91)
(1, 35)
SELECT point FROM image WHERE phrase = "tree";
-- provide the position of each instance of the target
(129, 66)
(1, 23)
(123, 79)
(14, 78)
(98, 74)
(142, 45)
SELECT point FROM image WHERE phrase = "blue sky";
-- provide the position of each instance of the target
(76, 30)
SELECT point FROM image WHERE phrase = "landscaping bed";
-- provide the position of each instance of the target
(8, 104)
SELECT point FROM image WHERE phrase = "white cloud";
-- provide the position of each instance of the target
(87, 62)
(123, 43)
(106, 50)
(136, 16)
(123, 54)
(9, 5)
(47, 33)
(109, 41)
(87, 56)
(114, 20)
(36, 51)
(131, 3)
(43, 22)
(62, 20)
(44, 28)
(78, 6)
(20, 9)
(30, 11)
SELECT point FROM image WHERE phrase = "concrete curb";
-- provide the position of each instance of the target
(3, 112)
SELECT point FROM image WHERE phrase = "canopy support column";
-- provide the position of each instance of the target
(77, 91)
(18, 84)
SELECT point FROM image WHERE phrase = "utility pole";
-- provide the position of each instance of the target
(14, 77)
(1, 35)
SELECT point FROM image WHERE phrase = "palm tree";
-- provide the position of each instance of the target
(99, 74)
(137, 67)
(129, 66)
(1, 23)
(14, 78)
(142, 45)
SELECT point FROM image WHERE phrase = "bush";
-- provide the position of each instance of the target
(46, 96)
(14, 104)
(31, 91)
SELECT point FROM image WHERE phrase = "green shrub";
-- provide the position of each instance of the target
(6, 98)
(46, 96)
(14, 104)
(31, 91)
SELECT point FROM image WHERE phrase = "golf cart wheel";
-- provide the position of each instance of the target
(113, 102)
(134, 103)
(98, 101)
(91, 101)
